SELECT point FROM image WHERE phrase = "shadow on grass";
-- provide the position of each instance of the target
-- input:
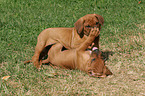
(106, 54)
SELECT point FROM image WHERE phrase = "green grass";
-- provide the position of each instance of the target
(123, 33)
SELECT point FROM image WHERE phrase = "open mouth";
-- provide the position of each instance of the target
(99, 75)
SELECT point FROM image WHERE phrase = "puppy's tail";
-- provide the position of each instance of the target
(29, 61)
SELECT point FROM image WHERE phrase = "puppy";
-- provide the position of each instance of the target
(70, 38)
(79, 58)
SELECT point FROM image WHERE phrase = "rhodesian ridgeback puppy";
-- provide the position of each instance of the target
(70, 38)
(79, 58)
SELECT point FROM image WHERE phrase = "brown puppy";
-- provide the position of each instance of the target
(70, 38)
(79, 58)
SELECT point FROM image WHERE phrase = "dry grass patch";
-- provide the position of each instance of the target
(127, 64)
(141, 26)
(122, 33)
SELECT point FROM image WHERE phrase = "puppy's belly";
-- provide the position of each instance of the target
(64, 59)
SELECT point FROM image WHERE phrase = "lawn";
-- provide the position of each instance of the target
(123, 35)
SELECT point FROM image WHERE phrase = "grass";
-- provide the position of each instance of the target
(123, 33)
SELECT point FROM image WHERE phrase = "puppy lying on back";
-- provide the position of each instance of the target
(70, 38)
(79, 58)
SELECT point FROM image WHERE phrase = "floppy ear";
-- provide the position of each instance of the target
(79, 26)
(100, 18)
(99, 53)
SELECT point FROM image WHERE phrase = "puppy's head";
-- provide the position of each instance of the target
(87, 22)
(97, 66)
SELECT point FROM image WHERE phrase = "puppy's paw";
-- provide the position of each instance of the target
(94, 32)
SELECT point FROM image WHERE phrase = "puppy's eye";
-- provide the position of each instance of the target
(97, 23)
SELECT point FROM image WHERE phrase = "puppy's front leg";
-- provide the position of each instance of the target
(93, 33)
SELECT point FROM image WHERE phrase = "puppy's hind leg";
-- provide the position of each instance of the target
(45, 51)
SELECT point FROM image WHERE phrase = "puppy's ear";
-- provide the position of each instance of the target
(100, 18)
(79, 26)
(98, 53)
